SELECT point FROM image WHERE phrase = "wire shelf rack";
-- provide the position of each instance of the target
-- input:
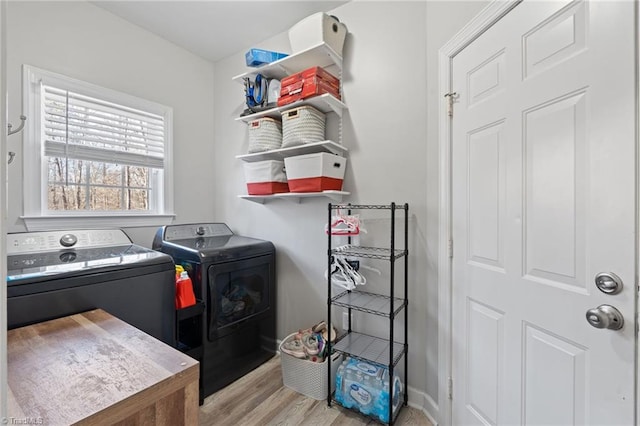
(369, 252)
(369, 348)
(369, 206)
(370, 303)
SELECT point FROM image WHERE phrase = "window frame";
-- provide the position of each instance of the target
(36, 214)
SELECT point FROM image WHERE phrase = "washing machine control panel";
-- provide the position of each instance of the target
(30, 242)
(204, 230)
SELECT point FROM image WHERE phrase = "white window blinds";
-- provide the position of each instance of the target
(84, 128)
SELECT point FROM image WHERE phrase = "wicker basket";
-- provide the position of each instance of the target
(265, 134)
(302, 125)
(307, 377)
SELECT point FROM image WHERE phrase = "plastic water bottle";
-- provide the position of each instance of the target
(343, 376)
(381, 409)
(340, 381)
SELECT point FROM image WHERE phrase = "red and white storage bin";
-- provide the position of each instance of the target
(302, 125)
(265, 177)
(315, 172)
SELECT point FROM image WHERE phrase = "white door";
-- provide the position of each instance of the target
(544, 199)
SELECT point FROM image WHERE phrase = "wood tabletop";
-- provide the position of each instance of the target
(93, 368)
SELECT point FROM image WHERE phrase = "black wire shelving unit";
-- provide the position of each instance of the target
(382, 351)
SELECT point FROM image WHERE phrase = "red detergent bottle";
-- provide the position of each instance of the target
(184, 291)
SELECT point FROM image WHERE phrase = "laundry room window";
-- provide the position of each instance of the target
(93, 156)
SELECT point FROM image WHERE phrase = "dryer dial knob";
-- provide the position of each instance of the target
(68, 240)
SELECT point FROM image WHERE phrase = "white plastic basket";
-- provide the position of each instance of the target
(302, 125)
(307, 377)
(265, 134)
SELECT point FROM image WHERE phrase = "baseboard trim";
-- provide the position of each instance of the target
(422, 401)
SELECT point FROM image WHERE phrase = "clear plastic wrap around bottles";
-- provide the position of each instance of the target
(366, 387)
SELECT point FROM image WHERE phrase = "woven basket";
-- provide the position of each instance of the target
(265, 134)
(302, 125)
(307, 377)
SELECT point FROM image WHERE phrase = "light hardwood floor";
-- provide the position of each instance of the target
(260, 398)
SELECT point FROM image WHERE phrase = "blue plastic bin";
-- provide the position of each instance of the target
(257, 57)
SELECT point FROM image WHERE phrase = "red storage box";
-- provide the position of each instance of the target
(305, 89)
(310, 73)
(315, 172)
(265, 177)
(310, 82)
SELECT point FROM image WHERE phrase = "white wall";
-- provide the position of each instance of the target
(390, 86)
(85, 42)
(390, 129)
(385, 132)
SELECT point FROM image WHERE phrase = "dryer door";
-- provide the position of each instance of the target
(238, 292)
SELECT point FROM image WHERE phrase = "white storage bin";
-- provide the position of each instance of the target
(307, 377)
(265, 177)
(315, 172)
(265, 134)
(315, 29)
(302, 125)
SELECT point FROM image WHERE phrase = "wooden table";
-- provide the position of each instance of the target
(92, 368)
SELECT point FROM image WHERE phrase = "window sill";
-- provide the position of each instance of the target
(48, 223)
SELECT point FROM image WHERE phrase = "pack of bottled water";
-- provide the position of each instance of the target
(365, 386)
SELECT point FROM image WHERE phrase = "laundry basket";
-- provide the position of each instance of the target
(307, 377)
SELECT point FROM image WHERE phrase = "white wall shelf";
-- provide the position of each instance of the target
(282, 153)
(325, 103)
(320, 55)
(295, 197)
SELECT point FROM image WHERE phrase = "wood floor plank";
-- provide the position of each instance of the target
(321, 415)
(270, 408)
(260, 398)
(295, 413)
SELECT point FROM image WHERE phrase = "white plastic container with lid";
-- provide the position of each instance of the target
(316, 29)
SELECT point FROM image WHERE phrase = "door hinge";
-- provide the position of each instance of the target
(450, 97)
(450, 248)
(450, 388)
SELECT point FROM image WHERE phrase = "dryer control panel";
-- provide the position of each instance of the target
(204, 230)
(31, 242)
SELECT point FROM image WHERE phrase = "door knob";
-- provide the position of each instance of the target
(608, 283)
(605, 316)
